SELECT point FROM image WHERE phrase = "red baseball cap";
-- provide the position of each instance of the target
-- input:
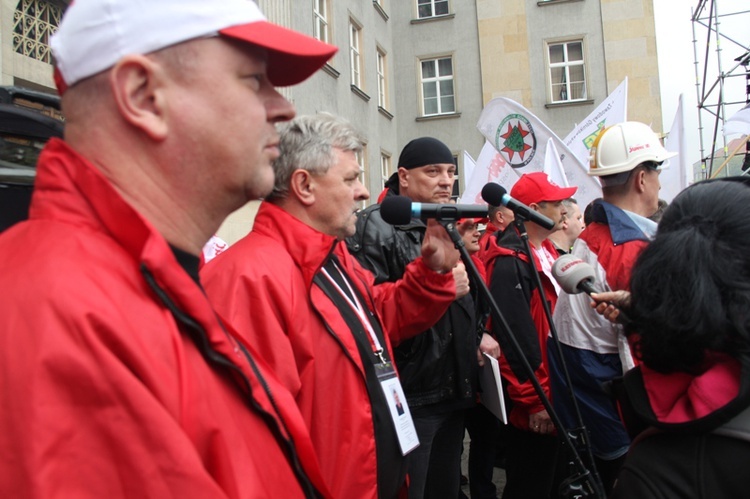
(474, 220)
(537, 187)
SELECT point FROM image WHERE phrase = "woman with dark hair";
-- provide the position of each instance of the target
(689, 325)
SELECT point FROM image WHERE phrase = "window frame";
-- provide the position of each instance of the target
(432, 4)
(437, 79)
(362, 162)
(381, 68)
(385, 168)
(322, 18)
(355, 54)
(553, 88)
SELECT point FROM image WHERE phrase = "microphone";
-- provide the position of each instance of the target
(399, 210)
(496, 195)
(575, 276)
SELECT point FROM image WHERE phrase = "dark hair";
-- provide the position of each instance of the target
(691, 286)
(588, 212)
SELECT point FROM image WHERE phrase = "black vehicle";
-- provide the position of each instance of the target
(28, 119)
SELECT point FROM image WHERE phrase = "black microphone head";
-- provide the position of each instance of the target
(573, 274)
(396, 210)
(493, 193)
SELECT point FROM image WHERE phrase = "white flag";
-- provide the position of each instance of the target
(521, 139)
(490, 167)
(739, 123)
(469, 165)
(675, 175)
(552, 165)
(613, 109)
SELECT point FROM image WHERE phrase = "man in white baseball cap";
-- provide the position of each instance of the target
(116, 377)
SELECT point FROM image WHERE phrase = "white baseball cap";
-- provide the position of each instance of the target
(95, 34)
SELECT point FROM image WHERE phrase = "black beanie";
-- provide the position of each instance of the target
(424, 151)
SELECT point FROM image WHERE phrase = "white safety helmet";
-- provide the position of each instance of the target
(622, 147)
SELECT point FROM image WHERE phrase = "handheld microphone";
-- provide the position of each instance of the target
(575, 276)
(496, 195)
(399, 210)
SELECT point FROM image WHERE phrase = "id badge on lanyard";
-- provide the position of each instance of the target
(399, 409)
(387, 377)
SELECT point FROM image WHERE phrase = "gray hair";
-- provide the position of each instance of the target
(307, 143)
(568, 203)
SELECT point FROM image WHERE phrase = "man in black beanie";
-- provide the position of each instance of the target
(437, 367)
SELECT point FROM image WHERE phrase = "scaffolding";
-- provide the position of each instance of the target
(716, 78)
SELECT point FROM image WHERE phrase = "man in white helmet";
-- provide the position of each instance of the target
(627, 158)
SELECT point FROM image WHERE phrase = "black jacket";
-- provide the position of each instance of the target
(439, 365)
(701, 458)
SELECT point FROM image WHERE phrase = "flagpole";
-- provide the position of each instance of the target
(742, 144)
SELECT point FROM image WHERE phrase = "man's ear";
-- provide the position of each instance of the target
(403, 178)
(640, 180)
(139, 88)
(302, 186)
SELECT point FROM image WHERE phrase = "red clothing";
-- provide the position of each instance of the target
(484, 244)
(102, 392)
(527, 321)
(263, 285)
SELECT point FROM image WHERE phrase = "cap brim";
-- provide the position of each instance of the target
(564, 193)
(292, 56)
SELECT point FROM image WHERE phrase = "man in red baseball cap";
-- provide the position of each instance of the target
(531, 442)
(121, 379)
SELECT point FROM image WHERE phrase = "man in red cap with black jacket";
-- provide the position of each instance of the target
(531, 441)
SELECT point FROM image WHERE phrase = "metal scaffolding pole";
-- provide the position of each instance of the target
(713, 94)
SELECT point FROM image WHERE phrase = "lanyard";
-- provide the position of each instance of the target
(546, 260)
(357, 308)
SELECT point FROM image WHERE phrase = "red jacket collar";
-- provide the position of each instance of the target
(681, 397)
(308, 247)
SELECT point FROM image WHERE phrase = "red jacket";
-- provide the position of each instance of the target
(514, 289)
(263, 285)
(102, 393)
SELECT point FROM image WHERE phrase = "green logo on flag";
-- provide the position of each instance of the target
(589, 140)
(515, 140)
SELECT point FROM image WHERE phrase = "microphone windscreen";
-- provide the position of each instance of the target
(570, 271)
(396, 210)
(493, 193)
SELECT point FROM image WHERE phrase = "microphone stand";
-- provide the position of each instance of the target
(577, 436)
(585, 484)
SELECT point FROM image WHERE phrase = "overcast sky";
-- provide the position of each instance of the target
(674, 38)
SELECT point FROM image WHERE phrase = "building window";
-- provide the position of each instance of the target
(382, 80)
(432, 8)
(385, 169)
(321, 26)
(567, 71)
(355, 56)
(456, 181)
(361, 161)
(34, 22)
(438, 96)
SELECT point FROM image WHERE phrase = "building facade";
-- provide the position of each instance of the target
(412, 68)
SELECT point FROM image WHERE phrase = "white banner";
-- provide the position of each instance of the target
(552, 165)
(676, 173)
(469, 165)
(739, 123)
(490, 167)
(613, 109)
(521, 139)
